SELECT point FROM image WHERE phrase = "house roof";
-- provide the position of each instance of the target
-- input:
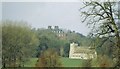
(83, 50)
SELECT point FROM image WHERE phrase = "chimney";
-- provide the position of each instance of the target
(49, 27)
(56, 27)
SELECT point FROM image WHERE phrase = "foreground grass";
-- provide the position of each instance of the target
(71, 62)
(31, 62)
(66, 62)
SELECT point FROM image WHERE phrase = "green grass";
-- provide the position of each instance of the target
(31, 62)
(71, 62)
(66, 62)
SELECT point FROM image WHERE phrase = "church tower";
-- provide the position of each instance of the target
(72, 48)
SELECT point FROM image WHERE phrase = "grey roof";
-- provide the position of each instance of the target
(84, 50)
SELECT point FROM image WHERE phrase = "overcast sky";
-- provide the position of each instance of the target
(66, 15)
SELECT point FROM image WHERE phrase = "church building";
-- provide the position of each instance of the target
(81, 52)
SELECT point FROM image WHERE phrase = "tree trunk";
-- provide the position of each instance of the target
(3, 63)
(118, 51)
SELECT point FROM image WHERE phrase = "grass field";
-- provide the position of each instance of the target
(31, 62)
(71, 62)
(66, 62)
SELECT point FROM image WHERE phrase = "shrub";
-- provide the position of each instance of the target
(102, 61)
(49, 58)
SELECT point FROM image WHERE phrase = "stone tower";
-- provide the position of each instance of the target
(72, 48)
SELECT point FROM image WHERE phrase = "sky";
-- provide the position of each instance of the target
(0, 10)
(66, 15)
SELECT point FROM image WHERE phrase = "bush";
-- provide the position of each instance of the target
(49, 58)
(102, 61)
(87, 63)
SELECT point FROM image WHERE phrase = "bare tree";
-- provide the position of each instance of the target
(103, 18)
